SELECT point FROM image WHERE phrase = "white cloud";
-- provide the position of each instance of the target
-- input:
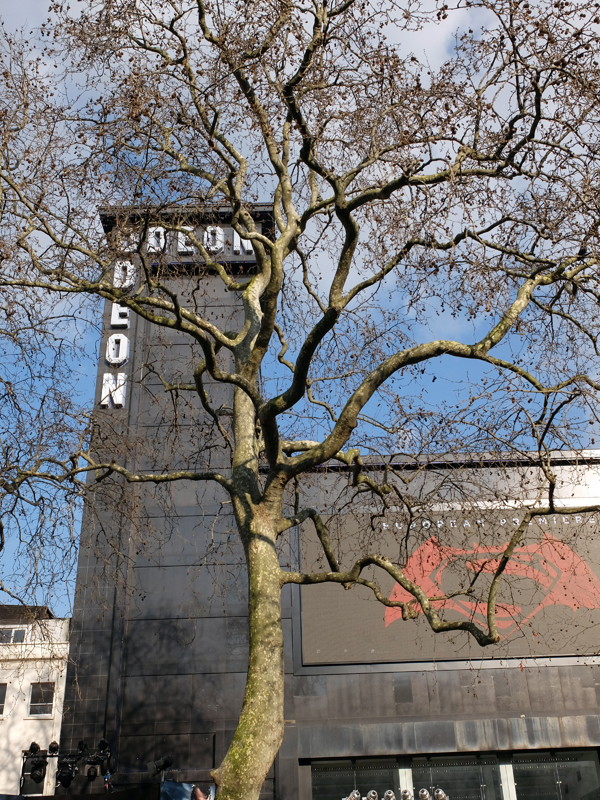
(435, 42)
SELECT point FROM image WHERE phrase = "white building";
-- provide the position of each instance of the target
(33, 667)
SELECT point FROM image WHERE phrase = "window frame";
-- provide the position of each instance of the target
(44, 714)
(11, 635)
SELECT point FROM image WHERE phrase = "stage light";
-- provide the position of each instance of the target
(82, 746)
(372, 795)
(92, 773)
(440, 794)
(389, 795)
(34, 748)
(103, 745)
(66, 771)
(162, 764)
(38, 769)
(406, 794)
(53, 748)
(424, 794)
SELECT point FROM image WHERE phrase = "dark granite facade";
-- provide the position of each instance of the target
(159, 637)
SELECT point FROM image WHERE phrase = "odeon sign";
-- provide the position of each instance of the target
(114, 385)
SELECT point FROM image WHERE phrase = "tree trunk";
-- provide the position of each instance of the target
(260, 729)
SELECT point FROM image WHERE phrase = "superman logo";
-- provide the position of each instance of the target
(546, 573)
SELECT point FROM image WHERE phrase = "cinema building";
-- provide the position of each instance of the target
(159, 635)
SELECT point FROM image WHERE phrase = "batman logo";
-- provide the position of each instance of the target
(546, 573)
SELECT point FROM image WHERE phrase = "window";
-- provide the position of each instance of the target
(461, 777)
(565, 776)
(42, 698)
(537, 775)
(10, 635)
(2, 697)
(335, 779)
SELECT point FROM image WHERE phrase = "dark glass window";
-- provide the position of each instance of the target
(333, 780)
(2, 697)
(8, 635)
(378, 774)
(42, 698)
(560, 775)
(461, 777)
(573, 775)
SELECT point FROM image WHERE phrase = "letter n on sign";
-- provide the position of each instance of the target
(113, 390)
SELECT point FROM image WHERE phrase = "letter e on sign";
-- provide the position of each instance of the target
(119, 316)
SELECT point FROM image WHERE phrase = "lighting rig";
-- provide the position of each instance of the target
(405, 794)
(160, 766)
(36, 760)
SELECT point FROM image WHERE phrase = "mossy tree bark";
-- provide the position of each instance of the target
(260, 728)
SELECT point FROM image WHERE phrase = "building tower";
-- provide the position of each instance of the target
(159, 640)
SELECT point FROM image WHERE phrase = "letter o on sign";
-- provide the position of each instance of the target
(117, 349)
(214, 240)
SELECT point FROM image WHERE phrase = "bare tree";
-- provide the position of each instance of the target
(42, 422)
(422, 218)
